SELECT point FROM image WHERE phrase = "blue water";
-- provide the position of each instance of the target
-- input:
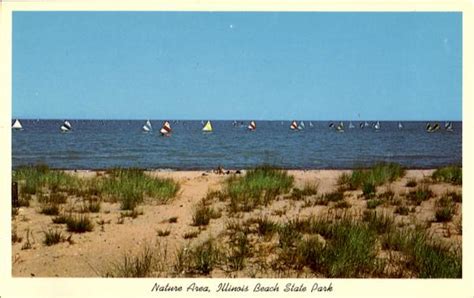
(95, 144)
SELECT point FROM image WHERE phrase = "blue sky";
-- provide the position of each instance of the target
(237, 65)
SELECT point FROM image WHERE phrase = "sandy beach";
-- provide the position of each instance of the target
(164, 226)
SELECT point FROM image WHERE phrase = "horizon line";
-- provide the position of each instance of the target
(234, 119)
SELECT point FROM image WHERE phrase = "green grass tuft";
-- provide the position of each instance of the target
(420, 194)
(450, 174)
(130, 185)
(203, 214)
(52, 237)
(49, 209)
(258, 187)
(79, 224)
(377, 175)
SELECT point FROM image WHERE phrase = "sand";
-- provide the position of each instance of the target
(91, 254)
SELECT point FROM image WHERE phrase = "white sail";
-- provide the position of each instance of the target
(207, 127)
(377, 125)
(166, 129)
(66, 126)
(17, 125)
(448, 126)
(294, 125)
(340, 127)
(147, 127)
(302, 124)
(400, 125)
(351, 125)
(310, 124)
(252, 126)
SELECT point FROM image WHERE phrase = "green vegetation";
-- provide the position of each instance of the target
(33, 178)
(258, 187)
(444, 214)
(60, 219)
(381, 223)
(130, 185)
(203, 214)
(368, 190)
(420, 194)
(79, 224)
(450, 174)
(140, 265)
(90, 206)
(52, 237)
(427, 257)
(308, 190)
(446, 208)
(202, 258)
(49, 209)
(265, 227)
(239, 250)
(373, 203)
(377, 175)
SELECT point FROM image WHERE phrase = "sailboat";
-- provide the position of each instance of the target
(361, 125)
(294, 126)
(432, 128)
(377, 125)
(207, 127)
(17, 125)
(311, 124)
(301, 126)
(66, 127)
(448, 126)
(400, 125)
(166, 129)
(252, 126)
(366, 124)
(351, 126)
(340, 127)
(147, 127)
(331, 125)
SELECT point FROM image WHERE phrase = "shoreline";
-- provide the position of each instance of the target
(230, 169)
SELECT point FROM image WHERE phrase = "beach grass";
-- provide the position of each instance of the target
(130, 186)
(257, 187)
(239, 250)
(203, 214)
(375, 176)
(33, 178)
(49, 209)
(79, 223)
(449, 174)
(138, 265)
(202, 258)
(427, 257)
(420, 194)
(52, 237)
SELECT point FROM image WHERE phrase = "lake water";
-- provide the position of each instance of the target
(95, 144)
